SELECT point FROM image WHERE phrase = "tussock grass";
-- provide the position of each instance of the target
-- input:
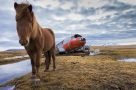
(84, 73)
(10, 54)
(118, 51)
(100, 72)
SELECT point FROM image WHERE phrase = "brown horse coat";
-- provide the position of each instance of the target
(35, 39)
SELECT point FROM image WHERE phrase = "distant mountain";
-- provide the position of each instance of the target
(11, 50)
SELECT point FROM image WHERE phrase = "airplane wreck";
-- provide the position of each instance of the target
(74, 44)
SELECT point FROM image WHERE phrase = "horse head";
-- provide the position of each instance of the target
(24, 22)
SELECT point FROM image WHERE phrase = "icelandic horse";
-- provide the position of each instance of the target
(35, 39)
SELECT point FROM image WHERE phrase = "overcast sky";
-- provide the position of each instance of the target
(102, 22)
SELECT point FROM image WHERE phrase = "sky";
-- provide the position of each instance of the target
(101, 22)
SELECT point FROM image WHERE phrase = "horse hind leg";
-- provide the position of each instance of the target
(53, 58)
(47, 60)
(49, 54)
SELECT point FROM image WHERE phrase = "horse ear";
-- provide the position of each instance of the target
(30, 8)
(15, 5)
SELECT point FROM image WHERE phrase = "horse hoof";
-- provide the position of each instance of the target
(36, 82)
(46, 70)
(33, 76)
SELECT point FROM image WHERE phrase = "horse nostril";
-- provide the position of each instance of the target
(23, 42)
(26, 42)
(20, 42)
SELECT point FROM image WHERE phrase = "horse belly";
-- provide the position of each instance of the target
(48, 46)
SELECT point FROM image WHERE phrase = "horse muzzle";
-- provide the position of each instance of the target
(23, 42)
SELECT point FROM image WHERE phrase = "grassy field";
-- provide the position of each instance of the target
(10, 54)
(100, 72)
(118, 51)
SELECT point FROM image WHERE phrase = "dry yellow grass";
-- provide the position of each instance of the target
(118, 51)
(80, 73)
(4, 54)
(100, 72)
(10, 54)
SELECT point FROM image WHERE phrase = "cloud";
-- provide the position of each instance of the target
(92, 3)
(70, 16)
(67, 5)
(58, 18)
(101, 17)
(52, 4)
(132, 2)
(100, 21)
(74, 16)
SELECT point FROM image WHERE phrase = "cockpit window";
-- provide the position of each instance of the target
(77, 35)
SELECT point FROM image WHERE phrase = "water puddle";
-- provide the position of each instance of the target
(128, 60)
(94, 52)
(8, 88)
(11, 71)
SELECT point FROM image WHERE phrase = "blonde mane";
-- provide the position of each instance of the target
(20, 14)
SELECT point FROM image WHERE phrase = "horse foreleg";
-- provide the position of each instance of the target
(33, 68)
(36, 79)
(32, 56)
(38, 57)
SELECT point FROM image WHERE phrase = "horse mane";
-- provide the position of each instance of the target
(20, 14)
(23, 7)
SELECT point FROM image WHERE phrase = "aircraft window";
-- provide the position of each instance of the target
(77, 35)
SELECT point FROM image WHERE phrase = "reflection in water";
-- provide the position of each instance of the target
(11, 71)
(128, 60)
